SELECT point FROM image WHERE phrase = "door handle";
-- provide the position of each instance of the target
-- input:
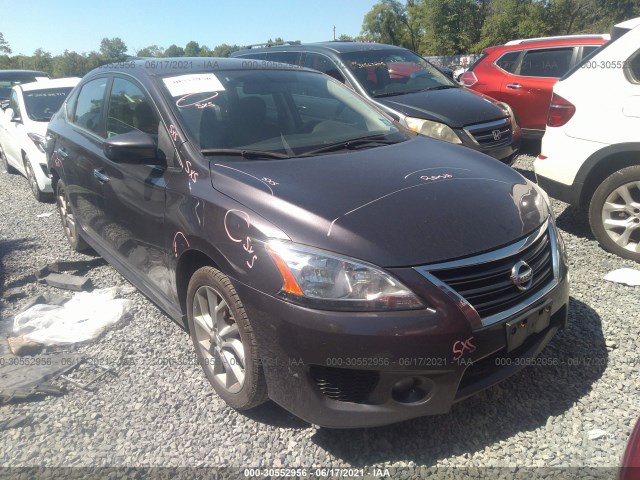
(514, 86)
(100, 175)
(62, 152)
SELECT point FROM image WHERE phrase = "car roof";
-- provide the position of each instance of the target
(153, 67)
(12, 74)
(46, 84)
(542, 42)
(331, 46)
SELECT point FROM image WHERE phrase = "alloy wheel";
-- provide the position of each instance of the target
(621, 216)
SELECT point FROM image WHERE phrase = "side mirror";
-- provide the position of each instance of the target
(133, 147)
(4, 104)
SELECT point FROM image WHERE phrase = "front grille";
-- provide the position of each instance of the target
(344, 384)
(486, 133)
(488, 287)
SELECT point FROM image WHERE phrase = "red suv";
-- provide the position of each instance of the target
(522, 73)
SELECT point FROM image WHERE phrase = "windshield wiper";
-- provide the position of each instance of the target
(439, 87)
(247, 154)
(353, 144)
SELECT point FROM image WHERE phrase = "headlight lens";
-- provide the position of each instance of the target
(319, 279)
(432, 129)
(38, 139)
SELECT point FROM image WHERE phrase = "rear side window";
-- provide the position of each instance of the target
(324, 65)
(89, 106)
(546, 63)
(129, 110)
(292, 58)
(509, 61)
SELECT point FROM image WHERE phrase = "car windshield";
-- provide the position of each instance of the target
(275, 113)
(42, 104)
(394, 72)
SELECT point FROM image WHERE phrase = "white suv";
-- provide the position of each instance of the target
(591, 149)
(23, 126)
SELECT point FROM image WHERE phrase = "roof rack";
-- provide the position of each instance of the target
(604, 36)
(272, 44)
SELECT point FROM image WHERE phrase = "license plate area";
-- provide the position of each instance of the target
(519, 329)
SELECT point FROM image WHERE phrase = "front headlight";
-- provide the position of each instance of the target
(324, 280)
(38, 139)
(432, 129)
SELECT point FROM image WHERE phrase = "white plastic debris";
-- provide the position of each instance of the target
(44, 215)
(628, 276)
(82, 318)
(597, 434)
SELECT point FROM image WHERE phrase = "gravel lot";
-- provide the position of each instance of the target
(156, 413)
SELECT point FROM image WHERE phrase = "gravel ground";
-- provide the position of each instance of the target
(155, 413)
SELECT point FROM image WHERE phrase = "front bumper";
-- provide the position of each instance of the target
(356, 369)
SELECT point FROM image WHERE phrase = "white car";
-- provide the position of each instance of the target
(23, 126)
(590, 153)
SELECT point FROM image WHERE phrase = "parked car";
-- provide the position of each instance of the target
(23, 127)
(320, 254)
(522, 73)
(410, 89)
(10, 78)
(590, 153)
(630, 468)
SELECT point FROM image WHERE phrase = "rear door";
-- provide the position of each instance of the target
(13, 131)
(528, 89)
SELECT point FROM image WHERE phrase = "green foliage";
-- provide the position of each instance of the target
(150, 51)
(174, 51)
(113, 50)
(192, 49)
(4, 45)
(224, 50)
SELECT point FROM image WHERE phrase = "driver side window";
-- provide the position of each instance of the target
(129, 110)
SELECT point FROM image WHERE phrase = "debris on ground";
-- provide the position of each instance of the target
(12, 294)
(84, 317)
(66, 281)
(21, 346)
(627, 276)
(21, 379)
(19, 421)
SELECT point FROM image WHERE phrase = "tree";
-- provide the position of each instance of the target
(41, 60)
(69, 64)
(382, 24)
(512, 19)
(113, 50)
(173, 51)
(345, 38)
(150, 51)
(4, 45)
(192, 49)
(205, 52)
(224, 50)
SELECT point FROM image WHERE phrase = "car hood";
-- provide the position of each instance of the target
(457, 107)
(413, 203)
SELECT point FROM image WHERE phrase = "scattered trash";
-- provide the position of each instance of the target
(47, 298)
(21, 346)
(87, 385)
(628, 276)
(12, 294)
(66, 281)
(597, 434)
(19, 421)
(84, 317)
(20, 379)
(44, 215)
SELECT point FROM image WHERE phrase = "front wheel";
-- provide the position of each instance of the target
(614, 213)
(224, 340)
(33, 182)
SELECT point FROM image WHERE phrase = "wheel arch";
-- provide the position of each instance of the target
(188, 263)
(602, 164)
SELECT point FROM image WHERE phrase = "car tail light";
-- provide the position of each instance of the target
(560, 111)
(468, 78)
(630, 469)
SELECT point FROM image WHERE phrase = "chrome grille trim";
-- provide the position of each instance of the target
(484, 258)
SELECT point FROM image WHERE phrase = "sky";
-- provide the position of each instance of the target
(80, 25)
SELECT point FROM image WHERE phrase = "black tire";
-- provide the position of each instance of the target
(33, 183)
(4, 163)
(614, 213)
(223, 338)
(69, 225)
